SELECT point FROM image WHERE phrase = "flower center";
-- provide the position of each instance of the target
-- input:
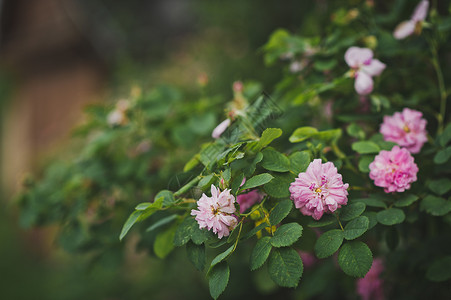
(318, 190)
(406, 129)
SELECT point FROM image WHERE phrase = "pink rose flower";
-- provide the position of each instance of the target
(370, 287)
(319, 190)
(220, 128)
(365, 67)
(248, 199)
(394, 170)
(407, 129)
(216, 212)
(408, 27)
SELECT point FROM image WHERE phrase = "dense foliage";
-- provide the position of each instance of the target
(329, 105)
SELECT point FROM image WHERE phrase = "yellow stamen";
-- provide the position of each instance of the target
(318, 190)
(406, 129)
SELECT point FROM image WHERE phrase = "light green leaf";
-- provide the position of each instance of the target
(161, 222)
(168, 197)
(442, 156)
(351, 211)
(280, 211)
(364, 163)
(445, 137)
(257, 180)
(260, 253)
(285, 267)
(356, 131)
(406, 200)
(302, 133)
(206, 181)
(356, 228)
(328, 243)
(391, 216)
(196, 255)
(132, 219)
(275, 161)
(164, 242)
(218, 278)
(286, 235)
(355, 259)
(299, 161)
(365, 147)
(435, 206)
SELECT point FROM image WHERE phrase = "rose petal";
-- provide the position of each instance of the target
(375, 68)
(220, 128)
(363, 83)
(404, 29)
(355, 56)
(420, 11)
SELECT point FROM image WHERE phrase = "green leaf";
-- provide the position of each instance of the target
(364, 163)
(302, 133)
(285, 267)
(391, 237)
(253, 165)
(161, 222)
(184, 231)
(355, 259)
(143, 206)
(199, 236)
(356, 131)
(196, 255)
(280, 211)
(168, 197)
(132, 219)
(325, 220)
(365, 147)
(220, 257)
(260, 253)
(254, 230)
(440, 186)
(191, 163)
(275, 161)
(236, 183)
(299, 161)
(373, 202)
(150, 210)
(442, 156)
(286, 235)
(328, 243)
(435, 206)
(391, 216)
(440, 269)
(209, 154)
(445, 137)
(356, 227)
(257, 180)
(406, 200)
(351, 211)
(372, 217)
(327, 135)
(279, 186)
(269, 135)
(218, 278)
(206, 181)
(164, 242)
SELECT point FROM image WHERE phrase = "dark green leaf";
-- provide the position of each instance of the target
(325, 220)
(373, 202)
(391, 237)
(435, 206)
(236, 183)
(351, 211)
(356, 227)
(162, 222)
(406, 200)
(257, 180)
(280, 211)
(220, 257)
(184, 231)
(206, 181)
(355, 259)
(218, 278)
(372, 217)
(196, 255)
(442, 156)
(440, 269)
(279, 186)
(328, 243)
(132, 219)
(260, 253)
(440, 186)
(365, 147)
(356, 131)
(286, 235)
(285, 267)
(164, 242)
(299, 161)
(254, 230)
(275, 161)
(391, 216)
(168, 197)
(445, 137)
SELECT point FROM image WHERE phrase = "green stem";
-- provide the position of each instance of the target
(338, 219)
(441, 85)
(187, 186)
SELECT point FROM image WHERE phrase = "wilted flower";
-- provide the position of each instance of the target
(248, 199)
(370, 286)
(319, 190)
(216, 212)
(406, 128)
(365, 67)
(118, 115)
(394, 170)
(220, 128)
(408, 27)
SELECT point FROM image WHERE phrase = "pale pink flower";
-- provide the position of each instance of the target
(406, 28)
(220, 128)
(370, 287)
(365, 67)
(406, 128)
(116, 117)
(248, 199)
(216, 212)
(319, 190)
(394, 170)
